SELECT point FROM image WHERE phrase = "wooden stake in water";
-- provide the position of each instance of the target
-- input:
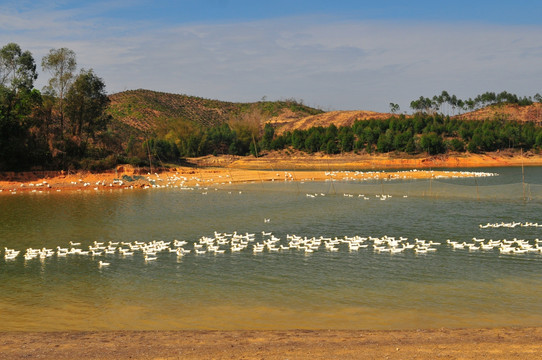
(522, 175)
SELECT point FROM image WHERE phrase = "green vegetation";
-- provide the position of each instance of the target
(192, 126)
(73, 124)
(63, 127)
(432, 134)
(448, 102)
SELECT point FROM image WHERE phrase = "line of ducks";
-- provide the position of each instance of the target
(222, 243)
(510, 225)
(362, 196)
(377, 175)
(178, 181)
(100, 249)
(514, 246)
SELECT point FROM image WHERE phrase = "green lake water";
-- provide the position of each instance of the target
(289, 289)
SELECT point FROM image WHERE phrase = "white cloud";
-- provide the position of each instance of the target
(329, 63)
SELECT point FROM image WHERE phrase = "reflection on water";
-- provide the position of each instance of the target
(361, 289)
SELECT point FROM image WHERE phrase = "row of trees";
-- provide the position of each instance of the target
(438, 102)
(432, 134)
(427, 131)
(226, 138)
(66, 126)
(54, 128)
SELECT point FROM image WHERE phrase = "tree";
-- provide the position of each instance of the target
(86, 102)
(61, 64)
(298, 139)
(313, 142)
(17, 68)
(394, 108)
(17, 102)
(538, 99)
(539, 139)
(432, 144)
(331, 147)
(268, 134)
(385, 142)
(456, 145)
(346, 139)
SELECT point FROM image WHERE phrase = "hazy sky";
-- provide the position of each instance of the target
(336, 55)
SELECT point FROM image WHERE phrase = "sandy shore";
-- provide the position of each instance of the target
(203, 178)
(499, 343)
(214, 171)
(351, 161)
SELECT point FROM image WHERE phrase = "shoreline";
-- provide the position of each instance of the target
(465, 343)
(475, 343)
(351, 161)
(213, 171)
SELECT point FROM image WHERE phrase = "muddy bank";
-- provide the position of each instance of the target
(320, 161)
(201, 178)
(277, 166)
(499, 343)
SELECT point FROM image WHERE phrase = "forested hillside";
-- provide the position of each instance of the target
(73, 124)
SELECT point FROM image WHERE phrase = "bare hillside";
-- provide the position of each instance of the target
(290, 122)
(511, 112)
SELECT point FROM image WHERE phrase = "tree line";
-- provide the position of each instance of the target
(60, 127)
(420, 133)
(432, 134)
(65, 126)
(451, 102)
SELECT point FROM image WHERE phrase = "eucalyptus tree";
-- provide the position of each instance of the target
(61, 64)
(394, 108)
(422, 104)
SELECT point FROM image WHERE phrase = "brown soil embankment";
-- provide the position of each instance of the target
(223, 170)
(499, 343)
(320, 161)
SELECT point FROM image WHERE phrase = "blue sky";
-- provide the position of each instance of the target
(337, 55)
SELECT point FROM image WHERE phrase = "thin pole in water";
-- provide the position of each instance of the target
(331, 178)
(522, 175)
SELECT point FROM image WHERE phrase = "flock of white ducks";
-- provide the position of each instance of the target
(362, 196)
(182, 182)
(510, 225)
(267, 242)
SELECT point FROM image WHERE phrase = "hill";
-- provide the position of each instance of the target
(138, 112)
(290, 122)
(144, 111)
(511, 112)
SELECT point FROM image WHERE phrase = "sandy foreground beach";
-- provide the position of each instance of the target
(495, 343)
(498, 343)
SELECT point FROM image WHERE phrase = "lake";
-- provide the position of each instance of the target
(311, 286)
